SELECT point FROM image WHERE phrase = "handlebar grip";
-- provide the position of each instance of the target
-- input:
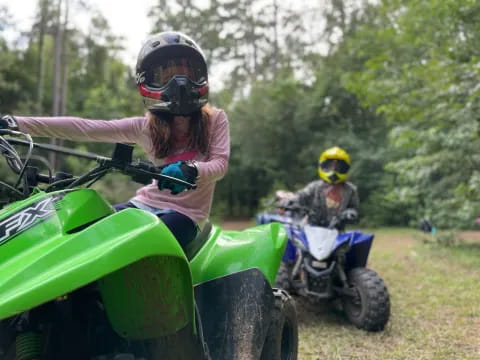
(43, 178)
(145, 165)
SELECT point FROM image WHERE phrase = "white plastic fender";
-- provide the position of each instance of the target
(320, 240)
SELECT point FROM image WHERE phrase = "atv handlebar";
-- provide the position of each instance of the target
(50, 147)
(121, 160)
(140, 171)
(293, 207)
(336, 222)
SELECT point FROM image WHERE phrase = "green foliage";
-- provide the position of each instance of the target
(420, 71)
(280, 129)
(242, 36)
(396, 85)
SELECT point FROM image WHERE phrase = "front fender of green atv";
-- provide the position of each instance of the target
(60, 242)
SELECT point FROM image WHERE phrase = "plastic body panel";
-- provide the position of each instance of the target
(360, 245)
(56, 243)
(228, 252)
(359, 242)
(83, 240)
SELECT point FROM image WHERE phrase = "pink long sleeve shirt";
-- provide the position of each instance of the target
(212, 166)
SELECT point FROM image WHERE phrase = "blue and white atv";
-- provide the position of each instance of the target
(328, 263)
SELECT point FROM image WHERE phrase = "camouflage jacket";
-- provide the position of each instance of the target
(314, 197)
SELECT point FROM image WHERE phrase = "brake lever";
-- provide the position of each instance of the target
(140, 176)
(190, 186)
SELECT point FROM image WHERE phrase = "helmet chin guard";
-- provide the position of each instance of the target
(180, 96)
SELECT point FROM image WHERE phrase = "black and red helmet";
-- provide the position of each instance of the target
(171, 74)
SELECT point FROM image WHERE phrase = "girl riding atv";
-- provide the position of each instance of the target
(180, 132)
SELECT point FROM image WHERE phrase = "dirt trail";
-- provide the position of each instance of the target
(435, 306)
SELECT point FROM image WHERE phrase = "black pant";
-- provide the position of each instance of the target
(181, 226)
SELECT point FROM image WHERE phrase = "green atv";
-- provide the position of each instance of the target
(83, 282)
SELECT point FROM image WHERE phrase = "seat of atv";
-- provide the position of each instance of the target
(194, 246)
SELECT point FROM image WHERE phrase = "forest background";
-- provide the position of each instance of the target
(394, 82)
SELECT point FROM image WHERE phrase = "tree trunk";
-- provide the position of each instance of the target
(59, 73)
(40, 62)
(275, 38)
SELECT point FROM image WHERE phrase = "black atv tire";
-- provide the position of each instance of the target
(282, 280)
(281, 342)
(370, 309)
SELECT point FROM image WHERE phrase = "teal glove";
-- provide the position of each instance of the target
(182, 170)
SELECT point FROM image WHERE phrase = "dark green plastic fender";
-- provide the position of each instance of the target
(145, 281)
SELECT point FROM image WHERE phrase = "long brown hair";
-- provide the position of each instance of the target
(160, 126)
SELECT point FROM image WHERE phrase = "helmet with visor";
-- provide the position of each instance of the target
(333, 165)
(171, 74)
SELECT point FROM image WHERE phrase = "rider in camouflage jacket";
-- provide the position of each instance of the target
(332, 195)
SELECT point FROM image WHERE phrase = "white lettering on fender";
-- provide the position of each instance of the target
(25, 218)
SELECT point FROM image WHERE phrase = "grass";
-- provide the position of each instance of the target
(435, 306)
(435, 303)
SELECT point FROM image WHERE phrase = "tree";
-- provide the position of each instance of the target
(420, 64)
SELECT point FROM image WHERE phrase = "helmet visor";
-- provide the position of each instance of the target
(339, 166)
(160, 74)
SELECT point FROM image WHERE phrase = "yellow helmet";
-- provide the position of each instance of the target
(333, 165)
